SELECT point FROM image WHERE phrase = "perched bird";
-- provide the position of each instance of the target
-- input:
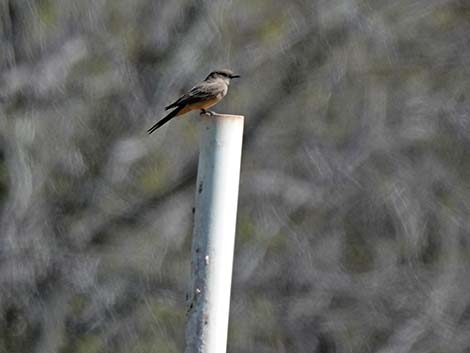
(202, 96)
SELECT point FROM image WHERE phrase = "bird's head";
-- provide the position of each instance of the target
(225, 75)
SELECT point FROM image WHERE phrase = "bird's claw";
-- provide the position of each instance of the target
(207, 112)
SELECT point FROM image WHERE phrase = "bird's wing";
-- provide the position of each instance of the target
(198, 93)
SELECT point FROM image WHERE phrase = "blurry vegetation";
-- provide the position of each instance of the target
(353, 226)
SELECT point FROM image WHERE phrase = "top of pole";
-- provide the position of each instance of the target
(222, 116)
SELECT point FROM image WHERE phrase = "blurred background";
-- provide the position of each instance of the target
(354, 210)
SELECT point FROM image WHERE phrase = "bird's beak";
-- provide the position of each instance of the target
(235, 76)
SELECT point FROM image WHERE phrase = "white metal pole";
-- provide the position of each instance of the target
(214, 233)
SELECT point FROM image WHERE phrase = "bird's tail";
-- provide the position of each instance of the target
(164, 120)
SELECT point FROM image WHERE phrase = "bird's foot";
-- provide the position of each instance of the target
(208, 112)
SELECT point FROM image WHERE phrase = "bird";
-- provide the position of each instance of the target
(202, 96)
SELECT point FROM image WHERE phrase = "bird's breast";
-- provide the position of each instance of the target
(223, 92)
